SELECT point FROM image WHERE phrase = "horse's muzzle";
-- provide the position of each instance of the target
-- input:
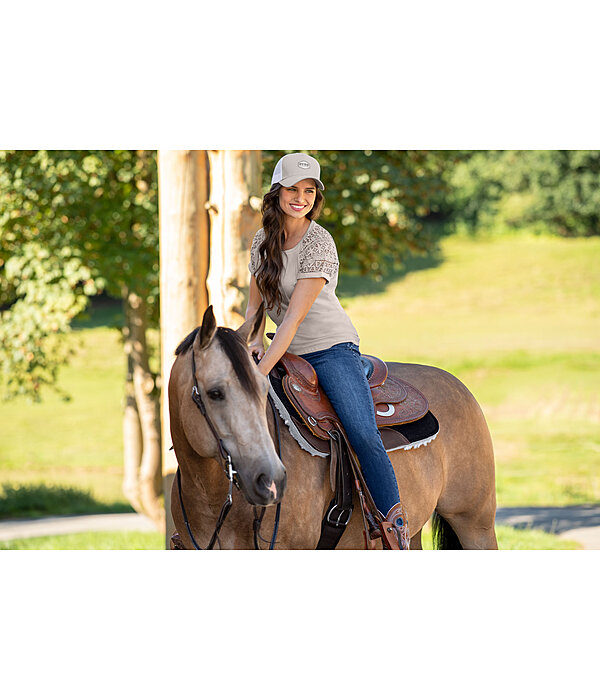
(266, 486)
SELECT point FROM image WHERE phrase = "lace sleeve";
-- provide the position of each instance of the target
(254, 256)
(318, 255)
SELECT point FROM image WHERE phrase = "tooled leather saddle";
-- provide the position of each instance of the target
(401, 410)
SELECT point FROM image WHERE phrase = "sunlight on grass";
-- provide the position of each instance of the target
(515, 538)
(508, 538)
(76, 443)
(517, 319)
(91, 540)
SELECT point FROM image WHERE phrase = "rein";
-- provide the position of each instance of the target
(230, 473)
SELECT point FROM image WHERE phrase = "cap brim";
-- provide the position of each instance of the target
(289, 181)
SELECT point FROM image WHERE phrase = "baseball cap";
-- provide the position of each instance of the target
(295, 167)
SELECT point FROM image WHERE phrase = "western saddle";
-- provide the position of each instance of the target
(396, 403)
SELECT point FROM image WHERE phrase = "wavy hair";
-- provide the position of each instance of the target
(270, 250)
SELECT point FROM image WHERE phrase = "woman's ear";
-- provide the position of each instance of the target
(248, 330)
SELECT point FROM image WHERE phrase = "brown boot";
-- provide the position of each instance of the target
(396, 528)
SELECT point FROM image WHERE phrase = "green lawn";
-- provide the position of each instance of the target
(76, 443)
(91, 540)
(516, 318)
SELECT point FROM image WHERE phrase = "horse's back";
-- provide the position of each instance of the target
(449, 399)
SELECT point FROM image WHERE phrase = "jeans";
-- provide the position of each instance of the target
(342, 377)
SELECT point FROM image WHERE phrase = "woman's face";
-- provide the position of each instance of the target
(296, 201)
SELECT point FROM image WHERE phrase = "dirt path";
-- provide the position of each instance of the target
(579, 523)
(66, 524)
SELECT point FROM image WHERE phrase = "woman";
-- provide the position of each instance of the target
(294, 268)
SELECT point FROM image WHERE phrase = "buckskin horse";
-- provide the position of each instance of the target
(230, 442)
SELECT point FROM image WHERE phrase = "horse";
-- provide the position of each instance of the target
(451, 479)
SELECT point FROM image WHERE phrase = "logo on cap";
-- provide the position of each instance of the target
(303, 164)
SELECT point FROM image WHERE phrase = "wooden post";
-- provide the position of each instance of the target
(184, 255)
(234, 208)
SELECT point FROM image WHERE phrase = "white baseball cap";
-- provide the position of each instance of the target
(295, 167)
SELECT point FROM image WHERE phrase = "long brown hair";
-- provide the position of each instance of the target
(269, 251)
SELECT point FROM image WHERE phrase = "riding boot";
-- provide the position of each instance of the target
(395, 533)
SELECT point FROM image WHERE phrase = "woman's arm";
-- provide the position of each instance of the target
(254, 301)
(303, 297)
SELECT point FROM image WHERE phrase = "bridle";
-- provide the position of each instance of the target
(230, 473)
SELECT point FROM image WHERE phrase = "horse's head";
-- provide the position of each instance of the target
(234, 394)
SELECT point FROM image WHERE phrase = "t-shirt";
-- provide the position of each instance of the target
(326, 322)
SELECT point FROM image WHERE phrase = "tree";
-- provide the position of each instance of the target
(377, 201)
(74, 223)
(557, 191)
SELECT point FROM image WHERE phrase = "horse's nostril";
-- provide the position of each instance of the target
(267, 485)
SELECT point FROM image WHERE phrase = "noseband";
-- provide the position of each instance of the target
(230, 473)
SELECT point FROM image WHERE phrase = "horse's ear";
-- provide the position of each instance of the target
(208, 329)
(248, 330)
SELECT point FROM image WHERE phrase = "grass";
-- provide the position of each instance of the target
(78, 443)
(91, 540)
(517, 319)
(516, 538)
(36, 500)
(508, 538)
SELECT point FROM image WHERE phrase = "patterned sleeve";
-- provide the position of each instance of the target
(254, 256)
(318, 255)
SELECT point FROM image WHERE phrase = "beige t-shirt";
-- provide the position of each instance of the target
(326, 322)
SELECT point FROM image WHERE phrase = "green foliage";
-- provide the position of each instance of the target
(72, 224)
(377, 201)
(557, 191)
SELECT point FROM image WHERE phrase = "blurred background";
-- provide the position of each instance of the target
(484, 263)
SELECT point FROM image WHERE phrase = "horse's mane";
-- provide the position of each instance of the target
(236, 351)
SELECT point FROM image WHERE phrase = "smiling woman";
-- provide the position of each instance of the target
(294, 267)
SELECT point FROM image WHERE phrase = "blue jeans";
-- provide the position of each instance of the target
(341, 375)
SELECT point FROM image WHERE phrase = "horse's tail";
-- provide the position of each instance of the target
(444, 536)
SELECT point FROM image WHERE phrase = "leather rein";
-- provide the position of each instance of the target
(230, 473)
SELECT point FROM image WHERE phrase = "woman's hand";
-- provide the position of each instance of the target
(257, 350)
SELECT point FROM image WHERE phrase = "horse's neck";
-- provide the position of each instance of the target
(208, 482)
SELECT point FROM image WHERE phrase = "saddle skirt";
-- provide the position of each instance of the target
(401, 410)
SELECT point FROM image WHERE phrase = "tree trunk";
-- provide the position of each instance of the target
(234, 208)
(194, 230)
(132, 436)
(144, 402)
(184, 249)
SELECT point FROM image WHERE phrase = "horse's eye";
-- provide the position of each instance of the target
(216, 394)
